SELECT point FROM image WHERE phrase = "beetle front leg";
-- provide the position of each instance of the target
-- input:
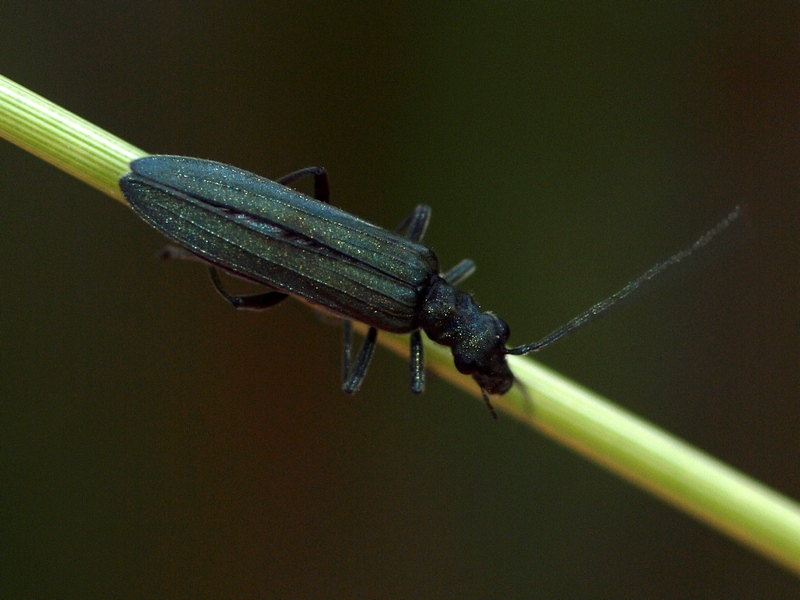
(459, 272)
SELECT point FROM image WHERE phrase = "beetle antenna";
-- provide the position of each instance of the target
(599, 309)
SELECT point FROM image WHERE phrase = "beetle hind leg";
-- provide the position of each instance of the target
(322, 189)
(260, 301)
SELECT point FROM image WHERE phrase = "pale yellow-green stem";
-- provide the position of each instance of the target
(679, 474)
(63, 139)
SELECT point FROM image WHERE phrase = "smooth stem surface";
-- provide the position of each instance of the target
(643, 454)
(63, 139)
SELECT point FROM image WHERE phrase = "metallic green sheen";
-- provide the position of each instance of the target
(276, 236)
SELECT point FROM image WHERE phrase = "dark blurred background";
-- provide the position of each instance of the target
(155, 443)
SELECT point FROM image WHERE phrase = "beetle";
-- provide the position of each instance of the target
(267, 233)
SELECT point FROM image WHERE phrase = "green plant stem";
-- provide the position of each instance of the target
(63, 139)
(641, 453)
(741, 507)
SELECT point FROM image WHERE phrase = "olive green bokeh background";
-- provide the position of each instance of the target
(154, 443)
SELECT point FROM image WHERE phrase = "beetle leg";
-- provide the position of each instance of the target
(353, 378)
(460, 272)
(347, 348)
(175, 252)
(417, 363)
(248, 301)
(322, 190)
(414, 225)
(172, 252)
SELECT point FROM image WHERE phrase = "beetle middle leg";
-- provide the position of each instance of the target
(414, 225)
(352, 378)
(352, 375)
(413, 228)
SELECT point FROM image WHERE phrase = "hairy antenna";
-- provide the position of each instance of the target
(599, 309)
